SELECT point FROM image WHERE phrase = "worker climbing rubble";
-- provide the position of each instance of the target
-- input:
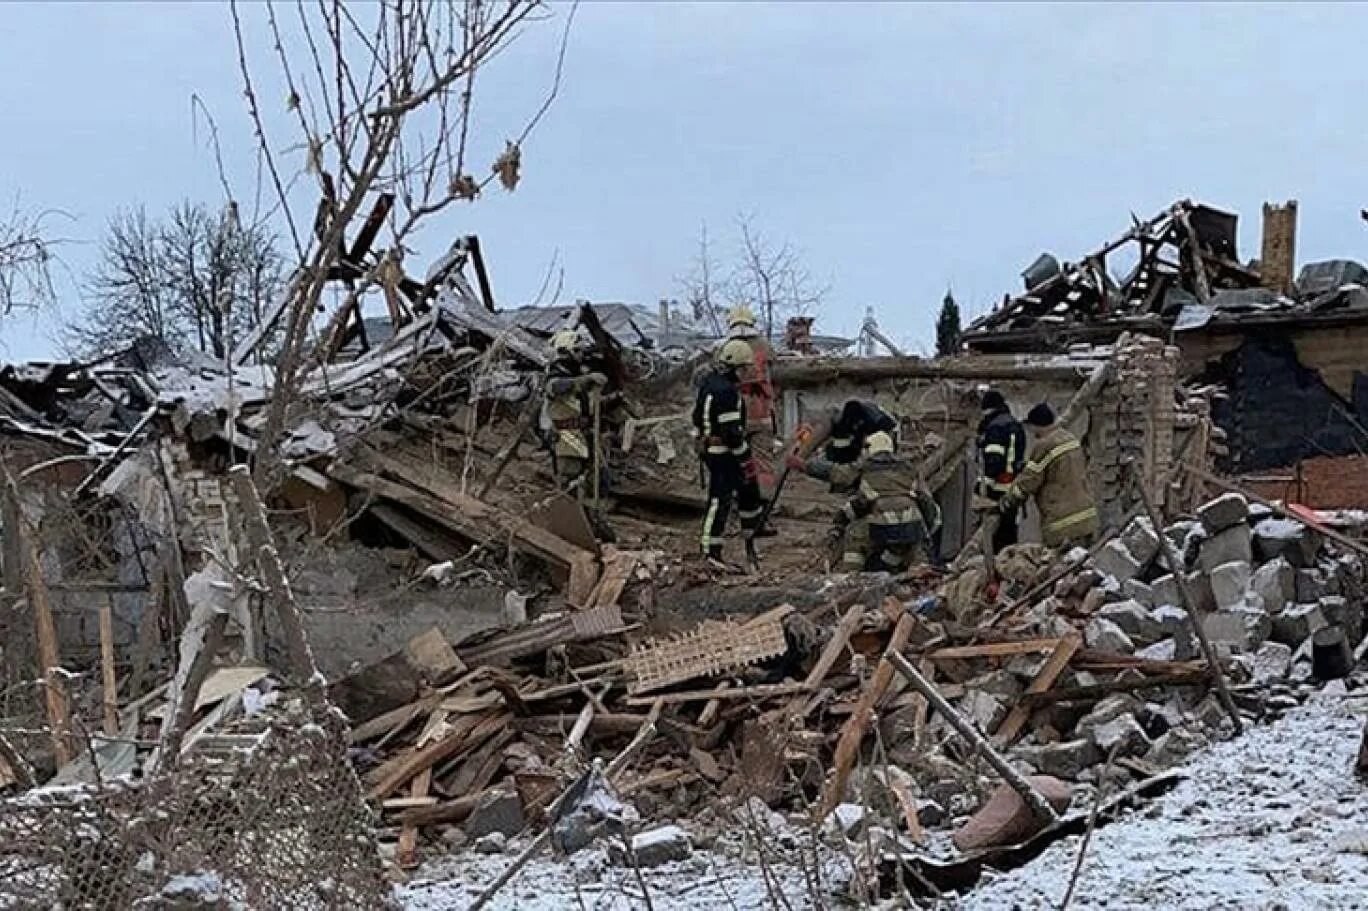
(568, 411)
(1002, 454)
(1056, 475)
(720, 425)
(757, 392)
(889, 522)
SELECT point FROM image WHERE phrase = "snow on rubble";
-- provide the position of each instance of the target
(1272, 820)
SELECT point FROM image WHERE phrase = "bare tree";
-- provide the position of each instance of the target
(380, 99)
(26, 257)
(196, 280)
(701, 284)
(774, 278)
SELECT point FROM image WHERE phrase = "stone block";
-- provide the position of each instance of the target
(1141, 540)
(984, 709)
(1296, 623)
(1135, 590)
(1312, 585)
(1107, 710)
(1172, 748)
(493, 843)
(1163, 650)
(1135, 619)
(1223, 512)
(1062, 760)
(1123, 734)
(1274, 584)
(1187, 536)
(667, 844)
(1272, 662)
(1293, 541)
(1229, 583)
(497, 811)
(1006, 819)
(1243, 629)
(1104, 635)
(1233, 545)
(1335, 609)
(1117, 562)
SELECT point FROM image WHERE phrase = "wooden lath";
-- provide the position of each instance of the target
(709, 649)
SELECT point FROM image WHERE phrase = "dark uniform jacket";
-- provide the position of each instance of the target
(856, 421)
(718, 417)
(1002, 446)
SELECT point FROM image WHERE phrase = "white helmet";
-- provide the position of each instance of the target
(735, 353)
(878, 442)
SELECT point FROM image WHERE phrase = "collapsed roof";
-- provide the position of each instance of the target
(1186, 275)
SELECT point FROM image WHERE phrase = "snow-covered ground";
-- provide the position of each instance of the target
(1274, 820)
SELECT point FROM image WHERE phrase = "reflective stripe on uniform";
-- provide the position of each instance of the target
(853, 558)
(728, 417)
(889, 558)
(708, 540)
(719, 450)
(840, 442)
(1081, 516)
(896, 517)
(749, 513)
(997, 485)
(995, 447)
(1053, 454)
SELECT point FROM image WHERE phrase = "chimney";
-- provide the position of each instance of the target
(1278, 262)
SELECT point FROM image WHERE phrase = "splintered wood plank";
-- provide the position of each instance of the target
(468, 732)
(1054, 666)
(839, 639)
(109, 688)
(853, 731)
(994, 649)
(407, 854)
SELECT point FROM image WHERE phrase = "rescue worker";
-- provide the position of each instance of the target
(568, 410)
(757, 391)
(1056, 474)
(889, 521)
(720, 425)
(1002, 453)
(842, 435)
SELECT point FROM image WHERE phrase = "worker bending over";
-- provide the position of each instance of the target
(841, 433)
(720, 424)
(889, 521)
(1002, 454)
(568, 412)
(1056, 474)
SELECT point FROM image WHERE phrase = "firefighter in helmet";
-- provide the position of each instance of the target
(719, 421)
(888, 522)
(568, 410)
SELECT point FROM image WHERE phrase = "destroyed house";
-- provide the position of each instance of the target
(1284, 347)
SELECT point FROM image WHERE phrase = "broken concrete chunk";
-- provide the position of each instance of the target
(1093, 600)
(1063, 760)
(1233, 545)
(1243, 629)
(984, 709)
(498, 811)
(1163, 650)
(493, 843)
(1172, 748)
(1229, 583)
(1223, 512)
(1141, 541)
(1295, 624)
(1274, 584)
(930, 813)
(1108, 709)
(1272, 662)
(1167, 593)
(1135, 620)
(664, 845)
(1293, 541)
(1335, 609)
(1159, 718)
(1136, 590)
(1312, 585)
(1186, 535)
(1001, 683)
(1122, 734)
(846, 819)
(1116, 561)
(1104, 635)
(1006, 818)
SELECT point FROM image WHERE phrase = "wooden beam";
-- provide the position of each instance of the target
(994, 649)
(840, 638)
(759, 691)
(980, 744)
(110, 690)
(1054, 666)
(853, 731)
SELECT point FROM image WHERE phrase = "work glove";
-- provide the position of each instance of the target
(1005, 505)
(795, 462)
(750, 469)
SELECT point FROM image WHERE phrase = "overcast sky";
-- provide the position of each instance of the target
(901, 148)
